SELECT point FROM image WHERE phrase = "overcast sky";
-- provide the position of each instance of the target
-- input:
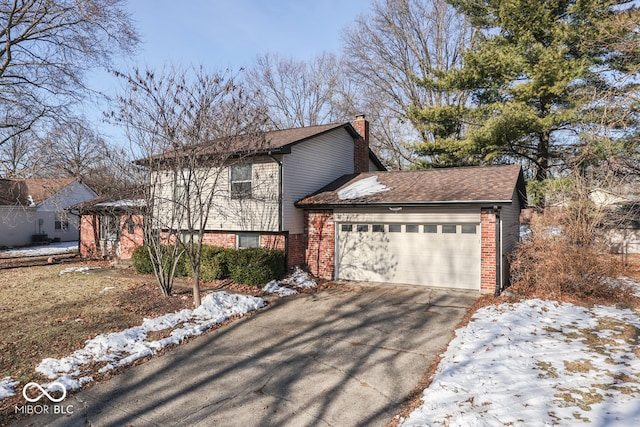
(221, 34)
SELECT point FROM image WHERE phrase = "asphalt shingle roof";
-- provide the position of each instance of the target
(16, 192)
(491, 184)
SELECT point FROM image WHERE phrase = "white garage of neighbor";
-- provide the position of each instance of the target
(449, 228)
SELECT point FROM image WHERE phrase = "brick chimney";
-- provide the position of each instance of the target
(361, 145)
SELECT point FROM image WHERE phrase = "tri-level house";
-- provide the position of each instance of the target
(320, 194)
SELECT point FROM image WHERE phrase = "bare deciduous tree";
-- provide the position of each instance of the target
(396, 54)
(46, 46)
(297, 93)
(20, 156)
(72, 148)
(185, 123)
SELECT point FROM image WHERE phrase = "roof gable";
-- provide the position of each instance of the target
(32, 191)
(473, 185)
(270, 142)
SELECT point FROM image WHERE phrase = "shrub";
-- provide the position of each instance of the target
(554, 264)
(142, 261)
(213, 263)
(256, 266)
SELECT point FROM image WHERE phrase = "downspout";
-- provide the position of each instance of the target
(496, 211)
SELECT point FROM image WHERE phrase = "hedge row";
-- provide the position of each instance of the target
(252, 266)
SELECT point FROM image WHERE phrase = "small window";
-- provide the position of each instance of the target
(62, 222)
(363, 228)
(469, 229)
(430, 228)
(248, 241)
(346, 227)
(411, 228)
(131, 225)
(241, 181)
(395, 228)
(449, 228)
(189, 238)
(378, 228)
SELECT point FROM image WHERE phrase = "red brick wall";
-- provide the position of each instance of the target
(320, 238)
(488, 251)
(272, 241)
(128, 242)
(296, 250)
(224, 240)
(89, 227)
(361, 145)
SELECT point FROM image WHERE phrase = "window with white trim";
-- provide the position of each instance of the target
(248, 240)
(241, 181)
(62, 221)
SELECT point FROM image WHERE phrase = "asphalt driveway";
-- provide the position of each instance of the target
(341, 357)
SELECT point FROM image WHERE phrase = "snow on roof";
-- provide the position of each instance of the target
(131, 203)
(361, 188)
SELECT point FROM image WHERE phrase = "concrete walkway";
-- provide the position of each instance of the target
(342, 357)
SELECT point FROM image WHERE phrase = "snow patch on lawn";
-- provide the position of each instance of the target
(124, 347)
(362, 188)
(6, 387)
(531, 364)
(52, 249)
(83, 270)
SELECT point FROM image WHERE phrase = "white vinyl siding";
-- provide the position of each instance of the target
(310, 166)
(510, 218)
(256, 213)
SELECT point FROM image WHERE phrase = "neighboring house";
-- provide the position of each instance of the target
(621, 228)
(321, 195)
(111, 228)
(35, 210)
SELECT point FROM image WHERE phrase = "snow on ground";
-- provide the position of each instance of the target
(124, 347)
(52, 249)
(275, 287)
(298, 278)
(538, 363)
(361, 188)
(83, 270)
(6, 387)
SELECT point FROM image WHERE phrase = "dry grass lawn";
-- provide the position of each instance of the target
(46, 314)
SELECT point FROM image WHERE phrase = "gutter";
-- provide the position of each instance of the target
(364, 204)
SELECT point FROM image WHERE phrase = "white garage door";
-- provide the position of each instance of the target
(440, 254)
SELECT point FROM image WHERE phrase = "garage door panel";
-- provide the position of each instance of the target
(435, 259)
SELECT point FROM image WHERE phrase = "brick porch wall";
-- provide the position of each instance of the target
(320, 239)
(88, 236)
(130, 241)
(488, 251)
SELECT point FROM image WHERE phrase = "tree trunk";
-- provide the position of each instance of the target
(196, 288)
(542, 163)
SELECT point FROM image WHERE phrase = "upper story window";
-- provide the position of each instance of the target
(241, 181)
